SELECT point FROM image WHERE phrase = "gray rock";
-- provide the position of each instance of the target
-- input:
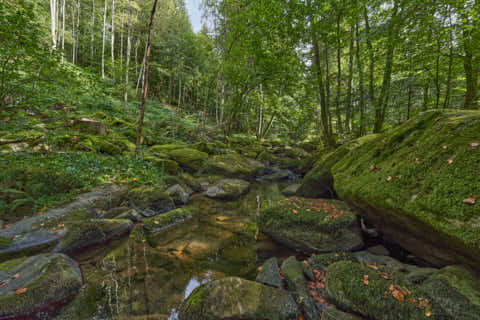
(131, 214)
(228, 189)
(236, 298)
(278, 175)
(332, 313)
(270, 274)
(378, 250)
(150, 201)
(48, 281)
(297, 285)
(114, 212)
(291, 190)
(178, 194)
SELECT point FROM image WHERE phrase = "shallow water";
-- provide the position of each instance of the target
(146, 277)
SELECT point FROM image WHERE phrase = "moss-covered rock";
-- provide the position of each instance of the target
(312, 225)
(90, 126)
(167, 219)
(105, 144)
(191, 160)
(411, 182)
(322, 261)
(150, 201)
(191, 182)
(318, 182)
(165, 148)
(332, 313)
(235, 298)
(376, 293)
(83, 234)
(43, 284)
(228, 189)
(291, 189)
(297, 285)
(178, 194)
(168, 166)
(235, 166)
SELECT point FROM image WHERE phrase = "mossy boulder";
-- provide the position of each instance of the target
(318, 182)
(191, 160)
(312, 225)
(165, 148)
(90, 126)
(178, 194)
(168, 166)
(411, 184)
(168, 219)
(291, 189)
(376, 293)
(332, 313)
(150, 201)
(38, 284)
(110, 145)
(84, 234)
(235, 166)
(322, 261)
(212, 148)
(228, 189)
(235, 298)
(297, 285)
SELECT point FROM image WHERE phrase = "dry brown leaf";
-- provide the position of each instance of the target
(20, 291)
(301, 317)
(389, 178)
(428, 313)
(471, 200)
(417, 160)
(444, 147)
(16, 275)
(295, 211)
(365, 279)
(475, 144)
(156, 222)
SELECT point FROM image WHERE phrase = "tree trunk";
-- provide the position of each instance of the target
(470, 74)
(73, 33)
(121, 41)
(382, 102)
(103, 40)
(371, 56)
(77, 31)
(129, 46)
(446, 103)
(361, 130)
(63, 29)
(53, 22)
(145, 87)
(426, 88)
(92, 35)
(339, 75)
(349, 106)
(112, 46)
(327, 87)
(437, 76)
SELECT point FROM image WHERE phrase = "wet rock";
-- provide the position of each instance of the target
(297, 285)
(235, 166)
(178, 194)
(270, 274)
(291, 190)
(37, 286)
(278, 175)
(168, 219)
(378, 250)
(80, 235)
(150, 201)
(114, 212)
(236, 298)
(332, 313)
(89, 303)
(312, 225)
(228, 189)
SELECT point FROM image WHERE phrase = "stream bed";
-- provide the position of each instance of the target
(147, 276)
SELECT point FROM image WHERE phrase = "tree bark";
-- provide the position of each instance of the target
(103, 40)
(129, 47)
(53, 23)
(361, 129)
(145, 87)
(349, 106)
(112, 46)
(371, 56)
(339, 75)
(92, 35)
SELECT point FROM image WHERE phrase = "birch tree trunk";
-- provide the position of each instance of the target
(145, 87)
(103, 41)
(92, 35)
(129, 45)
(53, 21)
(113, 39)
(73, 33)
(349, 106)
(77, 31)
(361, 130)
(63, 29)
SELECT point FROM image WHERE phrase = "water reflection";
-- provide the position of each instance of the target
(146, 277)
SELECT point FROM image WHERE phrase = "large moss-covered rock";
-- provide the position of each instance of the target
(83, 234)
(178, 194)
(165, 148)
(376, 293)
(235, 298)
(235, 166)
(168, 166)
(228, 189)
(332, 313)
(167, 219)
(150, 201)
(318, 182)
(37, 285)
(90, 126)
(270, 274)
(191, 160)
(312, 225)
(411, 183)
(293, 271)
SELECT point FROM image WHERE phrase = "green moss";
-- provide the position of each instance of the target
(424, 193)
(165, 148)
(322, 261)
(311, 225)
(5, 242)
(147, 197)
(5, 266)
(190, 159)
(365, 290)
(167, 219)
(235, 166)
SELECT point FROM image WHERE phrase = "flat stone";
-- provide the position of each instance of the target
(270, 274)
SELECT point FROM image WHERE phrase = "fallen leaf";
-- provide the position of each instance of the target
(450, 124)
(259, 268)
(428, 313)
(444, 147)
(20, 291)
(365, 279)
(450, 161)
(301, 317)
(156, 222)
(417, 160)
(16, 275)
(295, 211)
(475, 144)
(389, 178)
